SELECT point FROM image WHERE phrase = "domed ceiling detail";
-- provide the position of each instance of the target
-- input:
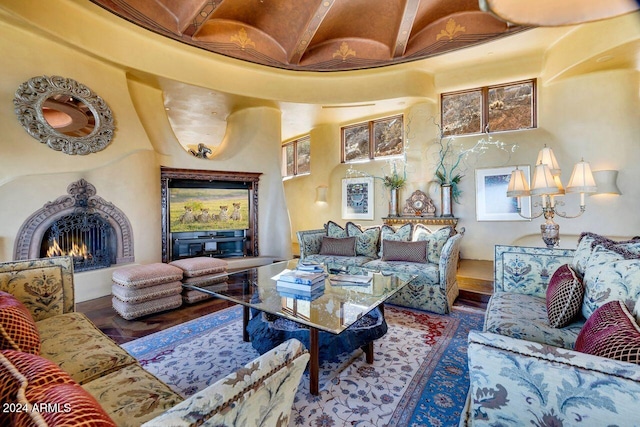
(318, 35)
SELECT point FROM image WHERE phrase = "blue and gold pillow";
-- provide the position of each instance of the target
(436, 240)
(366, 240)
(334, 230)
(402, 234)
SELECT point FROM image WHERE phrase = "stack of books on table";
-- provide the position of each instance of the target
(310, 266)
(300, 284)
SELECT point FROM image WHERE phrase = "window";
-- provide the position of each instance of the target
(373, 139)
(510, 106)
(296, 157)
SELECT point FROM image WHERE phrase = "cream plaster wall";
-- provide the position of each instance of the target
(595, 116)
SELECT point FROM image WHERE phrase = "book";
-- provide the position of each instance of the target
(286, 293)
(350, 279)
(310, 266)
(299, 287)
(301, 277)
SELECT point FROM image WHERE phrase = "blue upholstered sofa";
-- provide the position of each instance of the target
(523, 371)
(435, 287)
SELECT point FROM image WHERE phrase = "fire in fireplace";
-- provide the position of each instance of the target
(83, 235)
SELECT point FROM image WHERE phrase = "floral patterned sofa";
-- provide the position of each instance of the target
(57, 368)
(561, 339)
(430, 255)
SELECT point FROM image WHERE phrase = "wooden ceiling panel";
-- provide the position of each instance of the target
(317, 35)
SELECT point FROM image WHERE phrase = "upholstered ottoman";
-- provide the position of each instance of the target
(140, 290)
(206, 272)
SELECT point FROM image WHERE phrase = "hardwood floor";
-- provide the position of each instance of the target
(473, 279)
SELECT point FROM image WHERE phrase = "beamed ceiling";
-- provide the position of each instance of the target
(318, 35)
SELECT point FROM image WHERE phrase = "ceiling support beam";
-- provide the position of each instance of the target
(404, 31)
(312, 26)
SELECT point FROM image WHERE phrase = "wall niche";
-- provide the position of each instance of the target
(208, 213)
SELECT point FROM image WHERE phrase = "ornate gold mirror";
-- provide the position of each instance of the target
(64, 114)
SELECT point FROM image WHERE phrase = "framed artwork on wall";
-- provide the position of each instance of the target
(357, 198)
(492, 203)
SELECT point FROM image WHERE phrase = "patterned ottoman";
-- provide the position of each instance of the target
(206, 272)
(140, 290)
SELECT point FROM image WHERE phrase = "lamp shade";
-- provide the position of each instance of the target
(546, 156)
(556, 12)
(518, 185)
(606, 182)
(582, 179)
(543, 182)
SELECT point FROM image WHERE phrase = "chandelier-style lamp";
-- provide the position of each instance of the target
(546, 184)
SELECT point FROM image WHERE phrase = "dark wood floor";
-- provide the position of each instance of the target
(475, 290)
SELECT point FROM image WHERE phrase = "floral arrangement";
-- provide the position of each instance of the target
(394, 180)
(452, 159)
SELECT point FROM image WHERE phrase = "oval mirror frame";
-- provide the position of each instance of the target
(28, 106)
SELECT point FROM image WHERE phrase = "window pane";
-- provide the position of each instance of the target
(462, 113)
(356, 142)
(511, 107)
(304, 158)
(289, 160)
(388, 139)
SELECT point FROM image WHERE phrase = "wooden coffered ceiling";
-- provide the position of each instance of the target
(318, 35)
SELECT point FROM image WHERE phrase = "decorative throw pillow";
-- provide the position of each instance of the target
(402, 234)
(610, 277)
(564, 296)
(18, 330)
(436, 240)
(405, 251)
(611, 332)
(586, 246)
(345, 246)
(366, 240)
(334, 230)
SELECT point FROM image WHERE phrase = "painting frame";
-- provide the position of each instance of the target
(357, 198)
(492, 203)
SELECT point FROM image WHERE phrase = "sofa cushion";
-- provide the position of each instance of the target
(564, 296)
(75, 344)
(334, 230)
(18, 330)
(342, 246)
(611, 332)
(142, 276)
(610, 277)
(132, 396)
(401, 234)
(525, 317)
(200, 266)
(30, 379)
(405, 251)
(367, 239)
(587, 243)
(44, 290)
(436, 240)
(346, 261)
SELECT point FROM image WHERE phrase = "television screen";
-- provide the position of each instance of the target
(203, 209)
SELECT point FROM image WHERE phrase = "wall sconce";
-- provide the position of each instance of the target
(546, 184)
(321, 194)
(606, 181)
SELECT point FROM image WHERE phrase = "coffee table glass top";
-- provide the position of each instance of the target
(333, 309)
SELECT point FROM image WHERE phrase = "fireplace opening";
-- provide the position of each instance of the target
(84, 236)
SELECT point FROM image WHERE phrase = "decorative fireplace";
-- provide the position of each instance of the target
(94, 232)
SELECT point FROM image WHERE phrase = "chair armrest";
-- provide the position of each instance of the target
(516, 382)
(449, 257)
(527, 270)
(260, 393)
(310, 241)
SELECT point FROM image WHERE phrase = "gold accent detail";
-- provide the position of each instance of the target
(344, 52)
(242, 39)
(451, 30)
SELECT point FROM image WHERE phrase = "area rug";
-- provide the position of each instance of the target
(419, 376)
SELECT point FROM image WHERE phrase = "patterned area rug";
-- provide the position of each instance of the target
(419, 377)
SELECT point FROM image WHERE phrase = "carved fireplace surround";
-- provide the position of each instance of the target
(81, 195)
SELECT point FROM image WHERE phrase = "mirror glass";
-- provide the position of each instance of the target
(65, 115)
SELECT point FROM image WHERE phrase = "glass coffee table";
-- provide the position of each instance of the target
(347, 297)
